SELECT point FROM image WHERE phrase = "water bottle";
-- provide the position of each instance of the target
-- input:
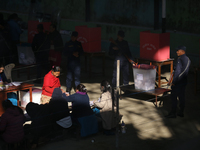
(123, 127)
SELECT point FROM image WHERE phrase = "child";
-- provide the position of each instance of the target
(103, 107)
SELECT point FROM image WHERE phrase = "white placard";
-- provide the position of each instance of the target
(139, 76)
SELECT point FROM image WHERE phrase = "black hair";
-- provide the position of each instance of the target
(81, 88)
(13, 16)
(53, 25)
(40, 26)
(55, 68)
(7, 104)
(106, 86)
(2, 64)
(74, 33)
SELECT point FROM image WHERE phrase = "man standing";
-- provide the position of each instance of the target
(15, 32)
(179, 82)
(120, 50)
(56, 46)
(73, 49)
(41, 46)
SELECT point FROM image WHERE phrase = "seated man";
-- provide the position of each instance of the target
(11, 123)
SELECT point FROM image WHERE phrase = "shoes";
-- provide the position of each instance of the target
(171, 115)
(180, 114)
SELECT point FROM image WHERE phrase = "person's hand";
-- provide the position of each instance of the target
(62, 91)
(75, 54)
(67, 93)
(115, 48)
(133, 64)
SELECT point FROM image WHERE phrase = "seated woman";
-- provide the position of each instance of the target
(103, 107)
(11, 123)
(51, 81)
(80, 102)
(59, 110)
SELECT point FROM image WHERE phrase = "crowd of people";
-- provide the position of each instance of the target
(53, 112)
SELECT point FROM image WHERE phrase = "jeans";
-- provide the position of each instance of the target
(73, 69)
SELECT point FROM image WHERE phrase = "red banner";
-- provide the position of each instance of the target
(154, 46)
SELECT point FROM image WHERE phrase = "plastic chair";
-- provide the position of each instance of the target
(7, 70)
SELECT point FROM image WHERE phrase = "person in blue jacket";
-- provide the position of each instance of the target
(179, 82)
(73, 50)
(80, 102)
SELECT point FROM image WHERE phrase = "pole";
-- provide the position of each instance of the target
(163, 16)
(117, 103)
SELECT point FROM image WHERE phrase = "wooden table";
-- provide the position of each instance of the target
(159, 64)
(155, 92)
(3, 93)
(91, 55)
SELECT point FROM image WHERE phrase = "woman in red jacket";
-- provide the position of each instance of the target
(51, 81)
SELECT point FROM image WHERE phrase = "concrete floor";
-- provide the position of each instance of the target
(147, 128)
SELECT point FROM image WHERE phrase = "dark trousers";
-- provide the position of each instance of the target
(178, 92)
(124, 68)
(73, 69)
(42, 63)
(15, 58)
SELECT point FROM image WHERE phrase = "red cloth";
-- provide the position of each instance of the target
(50, 83)
(11, 125)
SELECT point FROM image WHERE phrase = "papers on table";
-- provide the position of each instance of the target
(15, 83)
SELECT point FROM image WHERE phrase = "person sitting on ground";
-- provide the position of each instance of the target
(40, 121)
(80, 102)
(51, 81)
(59, 110)
(104, 108)
(11, 123)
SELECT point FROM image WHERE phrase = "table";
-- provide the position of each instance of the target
(159, 64)
(91, 55)
(155, 92)
(3, 93)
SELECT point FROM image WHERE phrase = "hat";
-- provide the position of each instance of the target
(74, 33)
(40, 26)
(181, 47)
(121, 33)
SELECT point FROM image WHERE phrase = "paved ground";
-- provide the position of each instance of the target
(147, 128)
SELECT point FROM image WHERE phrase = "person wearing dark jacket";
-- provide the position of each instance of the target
(59, 109)
(73, 50)
(120, 50)
(11, 123)
(179, 82)
(56, 47)
(80, 102)
(5, 43)
(41, 46)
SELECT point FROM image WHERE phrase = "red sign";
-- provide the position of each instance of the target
(90, 38)
(154, 46)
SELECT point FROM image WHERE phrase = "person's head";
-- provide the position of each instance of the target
(105, 86)
(120, 35)
(14, 17)
(52, 28)
(180, 50)
(57, 93)
(55, 71)
(40, 27)
(1, 67)
(81, 88)
(74, 36)
(7, 104)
